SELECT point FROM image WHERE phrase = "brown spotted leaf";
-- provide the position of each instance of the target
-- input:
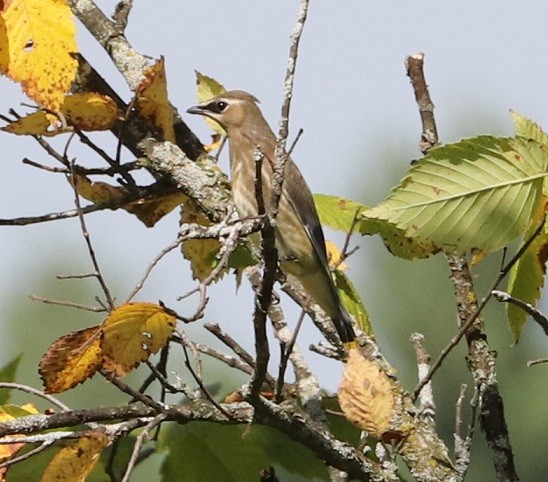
(71, 360)
(37, 43)
(76, 461)
(152, 100)
(366, 394)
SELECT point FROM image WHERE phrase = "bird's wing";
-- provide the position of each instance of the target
(300, 198)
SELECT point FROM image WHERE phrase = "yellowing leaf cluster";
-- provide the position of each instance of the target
(37, 43)
(127, 337)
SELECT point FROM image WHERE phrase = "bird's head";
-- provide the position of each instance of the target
(230, 109)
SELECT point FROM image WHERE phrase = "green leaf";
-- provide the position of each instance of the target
(352, 301)
(395, 239)
(530, 130)
(526, 280)
(206, 451)
(7, 374)
(337, 213)
(478, 193)
(527, 128)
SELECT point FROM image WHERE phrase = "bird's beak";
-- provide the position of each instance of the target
(197, 109)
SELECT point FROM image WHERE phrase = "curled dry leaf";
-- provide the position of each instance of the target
(71, 360)
(152, 100)
(366, 394)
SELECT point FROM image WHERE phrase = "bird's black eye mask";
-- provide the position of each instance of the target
(216, 107)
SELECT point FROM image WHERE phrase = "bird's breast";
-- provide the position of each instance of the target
(292, 239)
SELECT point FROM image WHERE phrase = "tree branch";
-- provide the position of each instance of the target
(482, 360)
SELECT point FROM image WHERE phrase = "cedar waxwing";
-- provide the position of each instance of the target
(299, 236)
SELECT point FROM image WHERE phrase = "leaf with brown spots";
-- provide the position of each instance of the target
(37, 43)
(152, 100)
(366, 394)
(71, 360)
(76, 461)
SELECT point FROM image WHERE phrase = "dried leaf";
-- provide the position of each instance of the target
(366, 394)
(149, 210)
(75, 462)
(71, 360)
(37, 42)
(134, 331)
(153, 102)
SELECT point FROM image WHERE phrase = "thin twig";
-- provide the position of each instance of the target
(152, 265)
(203, 388)
(286, 350)
(70, 304)
(538, 361)
(426, 396)
(537, 315)
(145, 434)
(34, 391)
(473, 317)
(87, 239)
(124, 387)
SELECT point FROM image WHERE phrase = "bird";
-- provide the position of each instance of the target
(298, 233)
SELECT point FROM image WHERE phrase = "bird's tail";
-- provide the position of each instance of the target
(319, 285)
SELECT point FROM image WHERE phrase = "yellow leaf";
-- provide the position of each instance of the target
(75, 462)
(98, 192)
(153, 208)
(366, 394)
(152, 100)
(7, 413)
(37, 41)
(134, 331)
(334, 256)
(202, 253)
(71, 360)
(206, 89)
(90, 111)
(216, 143)
(148, 209)
(87, 112)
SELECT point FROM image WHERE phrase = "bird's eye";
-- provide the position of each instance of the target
(221, 105)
